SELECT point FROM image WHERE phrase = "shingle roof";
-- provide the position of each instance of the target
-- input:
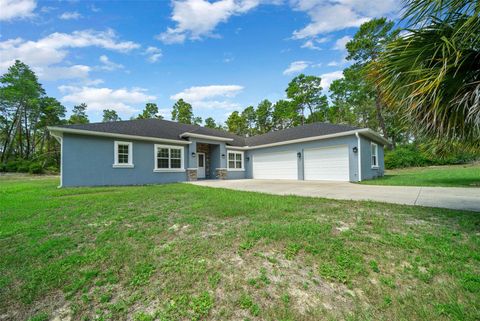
(309, 130)
(157, 128)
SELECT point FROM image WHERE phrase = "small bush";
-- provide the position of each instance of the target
(412, 156)
(23, 166)
(35, 168)
(3, 167)
(11, 166)
(52, 169)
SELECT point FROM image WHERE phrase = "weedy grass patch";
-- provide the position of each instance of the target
(184, 252)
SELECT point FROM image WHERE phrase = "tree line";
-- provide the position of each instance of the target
(417, 86)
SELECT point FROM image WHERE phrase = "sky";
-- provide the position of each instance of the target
(220, 56)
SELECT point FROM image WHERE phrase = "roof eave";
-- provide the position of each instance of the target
(374, 136)
(58, 131)
(209, 137)
(305, 139)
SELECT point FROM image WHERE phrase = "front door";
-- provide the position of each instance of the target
(201, 165)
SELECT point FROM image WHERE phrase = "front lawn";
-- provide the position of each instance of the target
(447, 176)
(184, 252)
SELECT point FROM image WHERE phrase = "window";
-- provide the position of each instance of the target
(123, 154)
(374, 153)
(235, 161)
(168, 158)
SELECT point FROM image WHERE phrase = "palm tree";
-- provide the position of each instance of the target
(432, 71)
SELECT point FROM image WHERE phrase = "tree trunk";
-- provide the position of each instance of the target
(381, 121)
(7, 139)
(27, 134)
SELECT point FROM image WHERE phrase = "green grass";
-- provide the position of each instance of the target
(447, 176)
(184, 252)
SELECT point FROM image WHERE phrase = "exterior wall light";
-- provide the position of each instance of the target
(223, 155)
(299, 155)
(247, 158)
(355, 149)
(193, 154)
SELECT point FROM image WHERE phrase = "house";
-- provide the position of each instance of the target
(152, 151)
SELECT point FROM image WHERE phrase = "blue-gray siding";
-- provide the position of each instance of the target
(88, 160)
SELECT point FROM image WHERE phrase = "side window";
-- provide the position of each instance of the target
(123, 155)
(168, 157)
(235, 161)
(374, 153)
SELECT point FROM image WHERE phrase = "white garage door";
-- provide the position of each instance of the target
(281, 165)
(329, 164)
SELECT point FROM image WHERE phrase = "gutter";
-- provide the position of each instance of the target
(365, 132)
(58, 131)
(194, 135)
(359, 157)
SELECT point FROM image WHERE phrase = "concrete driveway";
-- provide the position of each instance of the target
(445, 197)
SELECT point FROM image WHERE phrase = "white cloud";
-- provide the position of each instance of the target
(210, 97)
(153, 54)
(312, 43)
(204, 92)
(109, 65)
(296, 67)
(328, 78)
(328, 16)
(46, 53)
(94, 8)
(98, 99)
(341, 43)
(70, 16)
(13, 9)
(198, 18)
(67, 72)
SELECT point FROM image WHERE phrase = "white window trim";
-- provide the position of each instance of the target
(376, 155)
(130, 155)
(170, 170)
(243, 161)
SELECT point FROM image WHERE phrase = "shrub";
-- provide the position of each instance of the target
(23, 166)
(11, 166)
(52, 170)
(35, 168)
(3, 167)
(412, 156)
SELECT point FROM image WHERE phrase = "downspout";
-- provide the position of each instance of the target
(359, 157)
(61, 162)
(59, 138)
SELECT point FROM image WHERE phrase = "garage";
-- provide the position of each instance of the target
(326, 164)
(280, 165)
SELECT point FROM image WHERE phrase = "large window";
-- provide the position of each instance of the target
(168, 158)
(374, 153)
(235, 161)
(123, 154)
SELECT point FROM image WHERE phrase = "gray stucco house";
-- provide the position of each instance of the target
(153, 151)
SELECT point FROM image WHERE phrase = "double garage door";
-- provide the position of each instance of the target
(330, 163)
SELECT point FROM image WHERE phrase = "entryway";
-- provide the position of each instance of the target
(201, 172)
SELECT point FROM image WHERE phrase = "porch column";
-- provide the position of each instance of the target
(192, 161)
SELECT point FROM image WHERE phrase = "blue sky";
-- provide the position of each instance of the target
(218, 55)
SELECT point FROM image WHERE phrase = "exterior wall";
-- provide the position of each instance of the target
(236, 174)
(367, 171)
(88, 160)
(350, 141)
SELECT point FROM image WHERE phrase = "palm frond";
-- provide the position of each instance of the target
(434, 73)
